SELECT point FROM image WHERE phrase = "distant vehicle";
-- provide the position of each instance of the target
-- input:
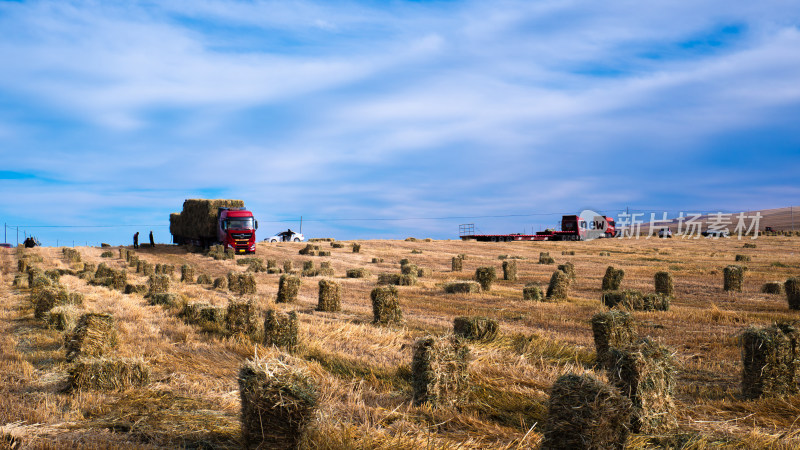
(207, 222)
(5, 245)
(768, 229)
(665, 233)
(286, 236)
(716, 233)
(573, 228)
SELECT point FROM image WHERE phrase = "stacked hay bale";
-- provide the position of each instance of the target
(329, 298)
(424, 272)
(476, 328)
(45, 298)
(63, 317)
(308, 269)
(133, 261)
(325, 269)
(187, 274)
(20, 281)
(107, 254)
(569, 269)
(613, 279)
(136, 289)
(240, 318)
(772, 287)
(356, 247)
(635, 300)
(377, 260)
(645, 373)
(242, 283)
(93, 335)
(510, 270)
(440, 371)
(278, 403)
(792, 288)
(457, 264)
(204, 279)
(409, 269)
(386, 305)
(72, 255)
(337, 245)
(558, 289)
(533, 292)
(485, 276)
(108, 374)
(397, 279)
(612, 329)
(157, 284)
(771, 360)
(287, 266)
(462, 287)
(123, 253)
(221, 283)
(733, 278)
(313, 250)
(663, 284)
(568, 252)
(585, 413)
(358, 273)
(288, 287)
(280, 329)
(199, 217)
(749, 245)
(219, 252)
(545, 258)
(742, 258)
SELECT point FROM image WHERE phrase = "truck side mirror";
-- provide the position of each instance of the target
(256, 224)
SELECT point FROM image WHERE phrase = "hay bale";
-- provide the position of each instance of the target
(462, 287)
(136, 289)
(568, 252)
(278, 403)
(663, 284)
(187, 274)
(612, 329)
(645, 373)
(310, 250)
(288, 287)
(356, 247)
(569, 269)
(733, 278)
(308, 265)
(20, 281)
(377, 260)
(404, 261)
(204, 279)
(163, 298)
(72, 255)
(256, 265)
(54, 275)
(133, 261)
(325, 269)
(742, 258)
(408, 269)
(63, 317)
(585, 413)
(792, 289)
(440, 371)
(510, 270)
(280, 329)
(416, 252)
(359, 272)
(191, 311)
(749, 245)
(545, 258)
(386, 305)
(424, 272)
(771, 360)
(157, 284)
(457, 264)
(635, 300)
(45, 298)
(221, 283)
(108, 374)
(533, 292)
(93, 335)
(240, 318)
(242, 283)
(772, 287)
(123, 253)
(475, 328)
(397, 279)
(329, 299)
(22, 265)
(558, 289)
(107, 254)
(337, 245)
(613, 279)
(485, 276)
(287, 266)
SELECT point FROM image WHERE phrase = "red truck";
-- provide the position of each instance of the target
(573, 228)
(207, 222)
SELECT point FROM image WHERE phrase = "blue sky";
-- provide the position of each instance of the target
(376, 119)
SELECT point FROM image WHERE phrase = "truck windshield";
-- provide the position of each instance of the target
(240, 223)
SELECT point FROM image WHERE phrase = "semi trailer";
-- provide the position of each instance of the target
(573, 228)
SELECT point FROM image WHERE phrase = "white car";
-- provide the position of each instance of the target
(286, 236)
(665, 233)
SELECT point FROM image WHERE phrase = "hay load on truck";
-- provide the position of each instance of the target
(207, 222)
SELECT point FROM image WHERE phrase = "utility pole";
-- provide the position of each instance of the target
(5, 232)
(301, 224)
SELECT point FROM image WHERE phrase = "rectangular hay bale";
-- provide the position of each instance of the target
(440, 371)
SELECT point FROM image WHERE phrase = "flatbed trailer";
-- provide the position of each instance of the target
(502, 237)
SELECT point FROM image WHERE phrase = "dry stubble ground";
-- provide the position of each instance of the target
(363, 371)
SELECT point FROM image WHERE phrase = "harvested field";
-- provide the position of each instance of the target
(362, 372)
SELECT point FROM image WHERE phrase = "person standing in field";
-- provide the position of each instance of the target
(136, 240)
(152, 243)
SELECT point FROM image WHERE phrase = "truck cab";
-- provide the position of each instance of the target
(236, 229)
